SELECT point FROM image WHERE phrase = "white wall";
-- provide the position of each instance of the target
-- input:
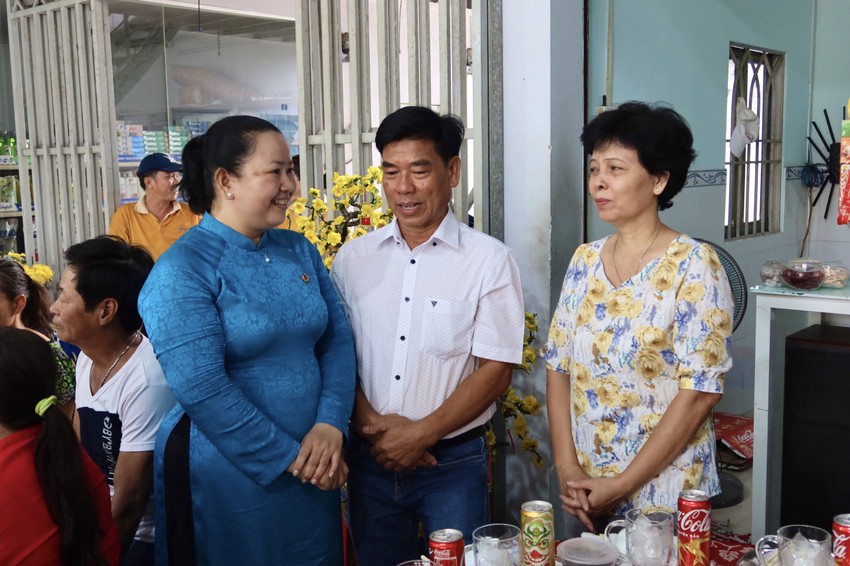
(543, 113)
(661, 55)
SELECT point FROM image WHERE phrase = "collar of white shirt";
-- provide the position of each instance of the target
(447, 232)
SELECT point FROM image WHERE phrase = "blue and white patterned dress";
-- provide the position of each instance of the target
(255, 346)
(629, 350)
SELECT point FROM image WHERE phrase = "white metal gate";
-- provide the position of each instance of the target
(360, 60)
(65, 121)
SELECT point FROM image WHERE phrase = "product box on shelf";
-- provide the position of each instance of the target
(844, 175)
(9, 192)
(128, 187)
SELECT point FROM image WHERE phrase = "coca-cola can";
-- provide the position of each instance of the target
(445, 547)
(841, 539)
(694, 526)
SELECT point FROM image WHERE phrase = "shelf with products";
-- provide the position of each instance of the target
(136, 140)
(11, 235)
(11, 213)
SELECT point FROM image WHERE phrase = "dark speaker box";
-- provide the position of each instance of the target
(816, 427)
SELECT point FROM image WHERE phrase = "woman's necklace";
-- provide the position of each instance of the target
(640, 260)
(121, 355)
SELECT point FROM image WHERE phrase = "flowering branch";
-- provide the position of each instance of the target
(40, 273)
(518, 408)
(357, 208)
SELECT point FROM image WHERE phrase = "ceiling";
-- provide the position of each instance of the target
(146, 15)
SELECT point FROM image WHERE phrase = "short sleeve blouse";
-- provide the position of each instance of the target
(629, 350)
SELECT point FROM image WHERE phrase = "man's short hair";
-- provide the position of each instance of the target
(421, 123)
(107, 267)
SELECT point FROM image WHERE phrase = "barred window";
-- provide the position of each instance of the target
(754, 180)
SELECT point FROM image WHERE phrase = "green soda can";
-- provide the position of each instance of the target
(538, 533)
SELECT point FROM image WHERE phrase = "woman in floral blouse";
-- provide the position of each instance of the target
(639, 343)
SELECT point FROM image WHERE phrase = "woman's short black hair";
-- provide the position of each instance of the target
(421, 123)
(660, 136)
(107, 267)
(227, 144)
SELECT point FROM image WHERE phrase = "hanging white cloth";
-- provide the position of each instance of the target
(746, 128)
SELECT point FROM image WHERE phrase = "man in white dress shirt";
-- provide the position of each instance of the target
(437, 314)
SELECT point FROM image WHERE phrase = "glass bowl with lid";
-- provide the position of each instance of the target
(804, 274)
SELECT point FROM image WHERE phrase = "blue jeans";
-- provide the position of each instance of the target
(387, 507)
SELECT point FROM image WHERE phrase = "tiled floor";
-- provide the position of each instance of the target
(738, 518)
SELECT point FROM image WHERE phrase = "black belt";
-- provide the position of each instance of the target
(460, 438)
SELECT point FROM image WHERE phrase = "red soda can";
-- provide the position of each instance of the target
(841, 539)
(445, 547)
(694, 526)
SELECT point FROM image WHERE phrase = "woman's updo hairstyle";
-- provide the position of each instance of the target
(660, 136)
(14, 282)
(227, 144)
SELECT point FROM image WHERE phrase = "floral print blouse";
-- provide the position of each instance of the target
(628, 351)
(66, 382)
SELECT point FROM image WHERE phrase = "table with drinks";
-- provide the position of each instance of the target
(643, 537)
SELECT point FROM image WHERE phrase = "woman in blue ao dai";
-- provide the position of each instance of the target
(256, 348)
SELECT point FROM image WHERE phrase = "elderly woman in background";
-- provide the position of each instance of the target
(54, 499)
(639, 342)
(25, 304)
(256, 348)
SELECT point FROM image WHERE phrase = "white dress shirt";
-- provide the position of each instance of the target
(422, 317)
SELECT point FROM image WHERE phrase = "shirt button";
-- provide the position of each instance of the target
(402, 338)
(398, 377)
(433, 243)
(407, 299)
(412, 261)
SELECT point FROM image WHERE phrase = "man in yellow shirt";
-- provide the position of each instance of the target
(156, 220)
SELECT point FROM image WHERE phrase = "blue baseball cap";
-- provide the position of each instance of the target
(158, 162)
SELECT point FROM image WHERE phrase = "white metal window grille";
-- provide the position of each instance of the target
(754, 181)
(360, 60)
(64, 121)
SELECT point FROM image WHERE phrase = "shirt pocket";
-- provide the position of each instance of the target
(447, 327)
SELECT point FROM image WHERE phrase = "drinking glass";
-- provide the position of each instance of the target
(496, 545)
(649, 537)
(798, 545)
